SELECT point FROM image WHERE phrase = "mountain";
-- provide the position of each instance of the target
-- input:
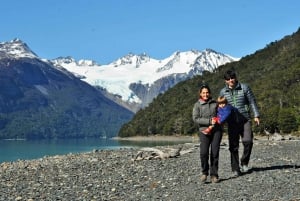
(273, 74)
(135, 80)
(39, 100)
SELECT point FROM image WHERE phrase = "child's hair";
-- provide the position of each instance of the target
(222, 99)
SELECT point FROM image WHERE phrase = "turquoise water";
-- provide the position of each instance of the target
(13, 150)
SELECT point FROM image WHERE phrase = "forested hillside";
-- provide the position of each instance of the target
(273, 74)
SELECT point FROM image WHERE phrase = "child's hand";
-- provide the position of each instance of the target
(215, 120)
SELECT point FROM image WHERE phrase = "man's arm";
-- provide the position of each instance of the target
(252, 104)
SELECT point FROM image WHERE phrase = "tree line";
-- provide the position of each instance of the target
(273, 74)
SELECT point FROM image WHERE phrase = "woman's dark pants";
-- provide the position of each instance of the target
(210, 142)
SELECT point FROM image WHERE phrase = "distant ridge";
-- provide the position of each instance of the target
(134, 80)
(273, 74)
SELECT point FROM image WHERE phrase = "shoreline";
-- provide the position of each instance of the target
(114, 175)
(195, 138)
(180, 138)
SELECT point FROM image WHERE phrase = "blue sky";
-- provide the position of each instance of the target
(105, 30)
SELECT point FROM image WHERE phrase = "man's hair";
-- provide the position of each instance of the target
(229, 74)
(222, 99)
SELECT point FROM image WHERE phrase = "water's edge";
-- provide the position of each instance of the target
(13, 150)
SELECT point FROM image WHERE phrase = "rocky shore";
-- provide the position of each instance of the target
(114, 175)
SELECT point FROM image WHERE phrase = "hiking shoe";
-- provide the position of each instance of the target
(236, 174)
(214, 179)
(206, 131)
(203, 178)
(245, 168)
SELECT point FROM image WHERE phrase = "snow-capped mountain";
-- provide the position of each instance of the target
(137, 79)
(133, 80)
(16, 49)
(41, 101)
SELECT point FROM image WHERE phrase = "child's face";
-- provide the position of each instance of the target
(221, 105)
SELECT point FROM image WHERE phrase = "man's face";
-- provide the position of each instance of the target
(231, 82)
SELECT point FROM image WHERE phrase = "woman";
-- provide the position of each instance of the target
(204, 113)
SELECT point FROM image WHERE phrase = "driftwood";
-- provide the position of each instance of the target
(267, 133)
(154, 153)
(277, 136)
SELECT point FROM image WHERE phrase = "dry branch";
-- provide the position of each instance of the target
(154, 153)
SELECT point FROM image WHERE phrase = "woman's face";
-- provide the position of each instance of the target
(204, 94)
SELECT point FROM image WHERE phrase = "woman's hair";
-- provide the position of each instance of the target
(204, 86)
(222, 99)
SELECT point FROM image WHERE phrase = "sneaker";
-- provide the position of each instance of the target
(245, 168)
(203, 178)
(214, 179)
(236, 174)
(206, 131)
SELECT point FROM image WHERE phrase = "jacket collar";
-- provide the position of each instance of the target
(237, 87)
(204, 102)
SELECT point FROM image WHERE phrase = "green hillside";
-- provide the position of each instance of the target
(273, 74)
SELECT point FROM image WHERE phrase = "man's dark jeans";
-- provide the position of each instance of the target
(234, 133)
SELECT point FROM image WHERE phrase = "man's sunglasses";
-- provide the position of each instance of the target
(228, 78)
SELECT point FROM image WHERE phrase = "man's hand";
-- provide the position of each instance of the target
(256, 120)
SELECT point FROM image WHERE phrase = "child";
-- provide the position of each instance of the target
(223, 113)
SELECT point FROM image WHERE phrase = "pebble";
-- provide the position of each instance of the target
(113, 175)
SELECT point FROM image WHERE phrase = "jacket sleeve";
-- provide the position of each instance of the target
(224, 113)
(252, 101)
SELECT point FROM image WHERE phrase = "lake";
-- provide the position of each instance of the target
(13, 150)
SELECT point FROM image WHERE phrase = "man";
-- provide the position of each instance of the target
(240, 96)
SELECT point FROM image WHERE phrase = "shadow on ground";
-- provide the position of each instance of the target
(276, 167)
(259, 169)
